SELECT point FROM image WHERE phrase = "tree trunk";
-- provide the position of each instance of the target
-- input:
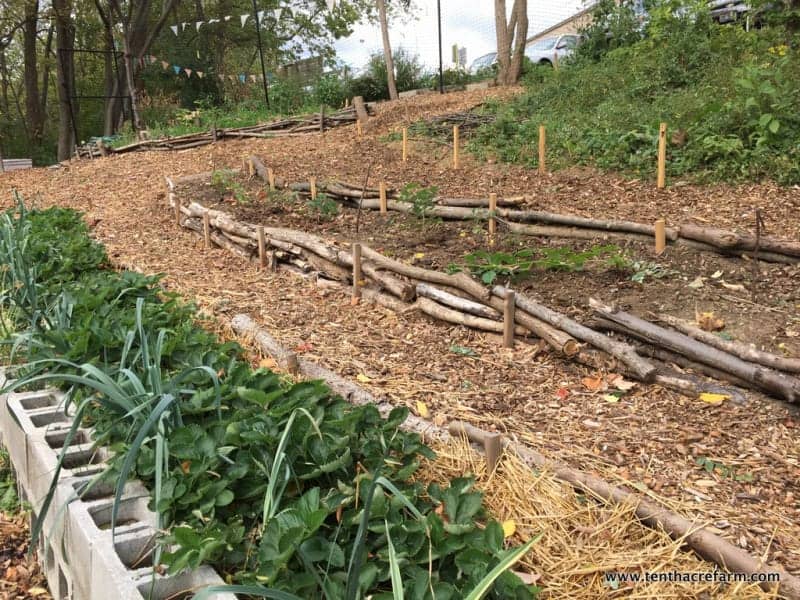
(387, 50)
(510, 35)
(33, 106)
(48, 50)
(65, 76)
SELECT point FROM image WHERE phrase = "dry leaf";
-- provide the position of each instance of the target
(363, 378)
(422, 409)
(562, 393)
(708, 322)
(594, 384)
(714, 399)
(737, 287)
(611, 398)
(527, 578)
(592, 424)
(705, 483)
(509, 528)
(267, 363)
(622, 384)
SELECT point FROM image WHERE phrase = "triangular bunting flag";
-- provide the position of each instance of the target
(198, 24)
(253, 78)
(177, 69)
(243, 19)
(212, 21)
(261, 15)
(153, 59)
(331, 4)
(231, 78)
(241, 78)
(164, 65)
(200, 74)
(174, 29)
(188, 72)
(227, 17)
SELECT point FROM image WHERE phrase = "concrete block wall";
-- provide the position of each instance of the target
(79, 557)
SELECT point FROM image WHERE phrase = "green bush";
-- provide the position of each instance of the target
(726, 94)
(372, 84)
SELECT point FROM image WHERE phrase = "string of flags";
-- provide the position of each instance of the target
(262, 15)
(178, 70)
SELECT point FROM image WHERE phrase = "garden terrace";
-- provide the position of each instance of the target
(650, 438)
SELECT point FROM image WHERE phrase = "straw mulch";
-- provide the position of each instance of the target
(582, 540)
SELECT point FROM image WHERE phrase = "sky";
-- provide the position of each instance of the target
(468, 23)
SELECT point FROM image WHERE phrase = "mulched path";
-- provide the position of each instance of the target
(650, 439)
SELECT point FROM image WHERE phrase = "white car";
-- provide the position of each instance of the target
(549, 50)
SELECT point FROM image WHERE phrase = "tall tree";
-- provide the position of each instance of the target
(387, 50)
(33, 104)
(511, 37)
(65, 76)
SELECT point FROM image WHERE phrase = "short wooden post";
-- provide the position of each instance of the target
(542, 150)
(322, 119)
(356, 273)
(405, 144)
(662, 156)
(313, 182)
(493, 447)
(509, 308)
(382, 188)
(456, 137)
(661, 236)
(207, 229)
(271, 179)
(251, 168)
(492, 221)
(262, 247)
(177, 207)
(359, 129)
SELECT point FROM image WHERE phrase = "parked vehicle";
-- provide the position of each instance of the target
(485, 62)
(549, 50)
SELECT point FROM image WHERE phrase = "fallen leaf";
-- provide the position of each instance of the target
(509, 528)
(717, 275)
(422, 409)
(697, 283)
(304, 347)
(737, 287)
(527, 578)
(419, 255)
(714, 399)
(267, 363)
(592, 424)
(562, 393)
(363, 378)
(594, 384)
(709, 322)
(37, 591)
(622, 384)
(611, 398)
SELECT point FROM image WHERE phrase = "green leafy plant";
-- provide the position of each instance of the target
(224, 181)
(421, 199)
(724, 471)
(9, 502)
(324, 207)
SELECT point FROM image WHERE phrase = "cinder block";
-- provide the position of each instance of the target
(176, 586)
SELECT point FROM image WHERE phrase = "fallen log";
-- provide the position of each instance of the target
(731, 240)
(780, 384)
(559, 340)
(462, 304)
(261, 171)
(573, 232)
(743, 351)
(402, 289)
(479, 202)
(706, 544)
(644, 370)
(450, 315)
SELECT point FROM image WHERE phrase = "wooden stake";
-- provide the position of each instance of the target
(661, 236)
(262, 247)
(356, 273)
(271, 179)
(542, 150)
(492, 221)
(382, 188)
(405, 144)
(322, 119)
(493, 447)
(662, 156)
(359, 129)
(509, 308)
(177, 206)
(251, 168)
(207, 229)
(313, 182)
(455, 146)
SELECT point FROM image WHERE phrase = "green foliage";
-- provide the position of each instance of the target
(267, 480)
(513, 265)
(726, 94)
(724, 471)
(421, 198)
(224, 181)
(9, 502)
(372, 84)
(324, 207)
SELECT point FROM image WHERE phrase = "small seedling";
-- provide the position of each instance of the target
(223, 181)
(324, 207)
(421, 198)
(462, 350)
(724, 471)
